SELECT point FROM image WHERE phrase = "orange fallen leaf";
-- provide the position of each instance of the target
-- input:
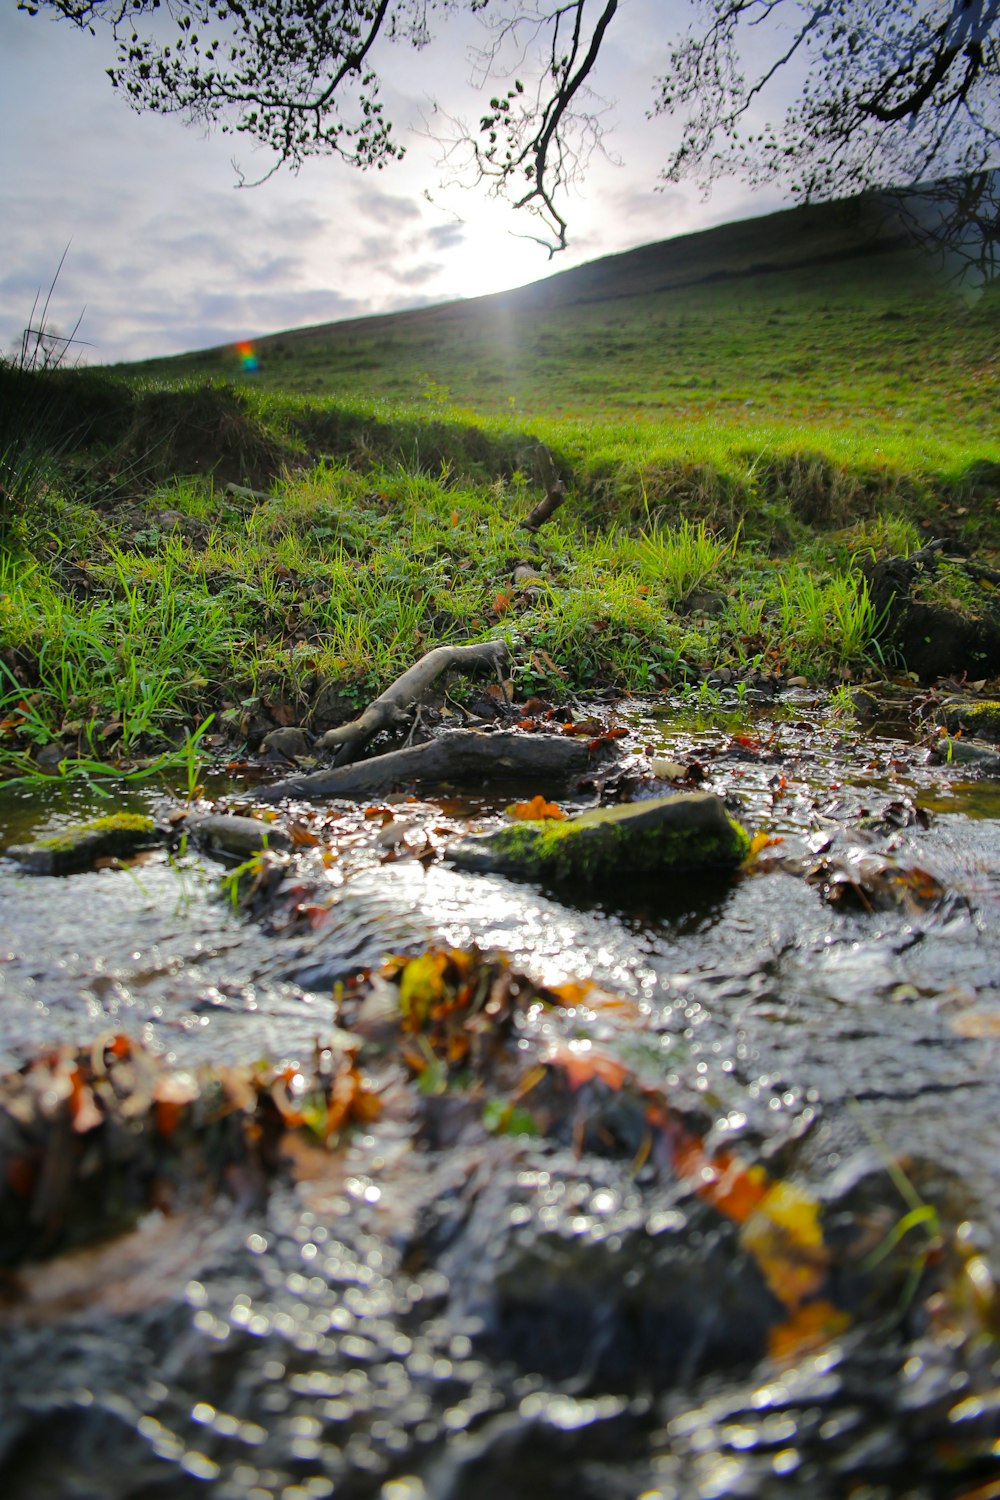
(303, 837)
(535, 811)
(171, 1096)
(581, 1063)
(810, 1327)
(979, 1024)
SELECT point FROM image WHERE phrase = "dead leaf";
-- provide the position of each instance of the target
(535, 811)
(978, 1024)
(810, 1327)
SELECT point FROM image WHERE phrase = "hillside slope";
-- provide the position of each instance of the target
(819, 312)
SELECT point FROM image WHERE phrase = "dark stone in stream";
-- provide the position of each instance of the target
(119, 836)
(285, 743)
(680, 832)
(227, 834)
(976, 716)
(974, 758)
(569, 1276)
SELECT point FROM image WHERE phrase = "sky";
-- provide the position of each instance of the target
(166, 254)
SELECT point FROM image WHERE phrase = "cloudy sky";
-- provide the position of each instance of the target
(166, 254)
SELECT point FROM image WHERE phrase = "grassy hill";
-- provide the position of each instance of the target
(818, 317)
(737, 417)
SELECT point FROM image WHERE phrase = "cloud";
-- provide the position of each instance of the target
(417, 275)
(444, 237)
(389, 208)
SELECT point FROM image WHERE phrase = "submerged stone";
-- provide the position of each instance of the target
(688, 831)
(118, 836)
(979, 717)
(228, 834)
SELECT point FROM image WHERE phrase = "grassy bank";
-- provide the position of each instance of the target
(734, 436)
(134, 602)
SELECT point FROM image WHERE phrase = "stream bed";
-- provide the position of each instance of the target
(745, 1244)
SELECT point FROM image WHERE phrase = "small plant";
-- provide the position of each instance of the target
(683, 558)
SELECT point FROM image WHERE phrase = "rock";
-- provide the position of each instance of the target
(225, 833)
(980, 717)
(702, 602)
(244, 492)
(291, 743)
(949, 752)
(118, 836)
(940, 614)
(980, 760)
(50, 757)
(628, 1306)
(865, 705)
(681, 832)
(668, 770)
(331, 709)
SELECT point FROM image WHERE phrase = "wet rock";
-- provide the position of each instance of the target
(290, 743)
(50, 757)
(682, 832)
(952, 752)
(979, 717)
(865, 705)
(119, 836)
(567, 1275)
(225, 833)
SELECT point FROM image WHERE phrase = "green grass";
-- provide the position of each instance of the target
(731, 447)
(809, 322)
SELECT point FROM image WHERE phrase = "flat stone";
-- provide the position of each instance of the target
(685, 831)
(977, 716)
(119, 836)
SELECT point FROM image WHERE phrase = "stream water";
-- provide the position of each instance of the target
(445, 1313)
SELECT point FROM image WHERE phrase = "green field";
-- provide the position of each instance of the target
(738, 417)
(816, 319)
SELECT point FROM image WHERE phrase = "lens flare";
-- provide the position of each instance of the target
(247, 356)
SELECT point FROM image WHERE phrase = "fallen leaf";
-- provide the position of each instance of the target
(172, 1094)
(810, 1327)
(535, 811)
(980, 1024)
(580, 1062)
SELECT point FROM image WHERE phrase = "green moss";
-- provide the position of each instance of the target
(126, 824)
(949, 586)
(983, 718)
(690, 831)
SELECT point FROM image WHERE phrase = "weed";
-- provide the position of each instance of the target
(682, 559)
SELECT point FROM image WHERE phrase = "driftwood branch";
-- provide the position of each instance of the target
(389, 710)
(458, 755)
(555, 491)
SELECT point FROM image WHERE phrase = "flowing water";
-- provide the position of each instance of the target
(445, 1313)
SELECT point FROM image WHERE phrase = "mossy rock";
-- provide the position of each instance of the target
(119, 836)
(980, 718)
(686, 831)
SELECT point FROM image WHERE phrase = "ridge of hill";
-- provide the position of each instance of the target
(825, 309)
